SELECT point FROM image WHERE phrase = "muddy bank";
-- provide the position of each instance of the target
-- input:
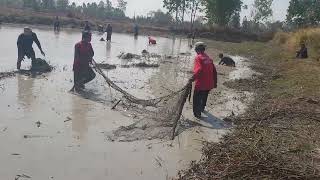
(277, 137)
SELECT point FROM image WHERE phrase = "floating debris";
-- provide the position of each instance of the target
(22, 176)
(68, 119)
(141, 65)
(129, 56)
(40, 65)
(106, 66)
(38, 123)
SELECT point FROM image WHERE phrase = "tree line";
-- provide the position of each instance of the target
(301, 13)
(101, 10)
(224, 13)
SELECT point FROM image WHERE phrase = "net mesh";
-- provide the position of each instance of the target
(158, 117)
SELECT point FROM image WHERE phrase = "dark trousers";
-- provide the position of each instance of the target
(199, 102)
(25, 52)
(108, 36)
(83, 76)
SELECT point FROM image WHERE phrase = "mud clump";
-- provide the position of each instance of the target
(106, 66)
(141, 65)
(129, 56)
(6, 74)
(40, 65)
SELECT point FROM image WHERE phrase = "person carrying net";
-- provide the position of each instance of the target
(83, 55)
(205, 78)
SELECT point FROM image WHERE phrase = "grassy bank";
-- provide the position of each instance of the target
(278, 137)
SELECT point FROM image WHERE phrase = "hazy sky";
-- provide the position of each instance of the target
(141, 7)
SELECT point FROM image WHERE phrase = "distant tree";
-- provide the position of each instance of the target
(183, 7)
(122, 5)
(262, 10)
(62, 4)
(235, 20)
(194, 6)
(159, 17)
(48, 4)
(275, 26)
(73, 6)
(35, 4)
(11, 3)
(173, 6)
(304, 13)
(108, 5)
(156, 17)
(27, 3)
(245, 23)
(221, 11)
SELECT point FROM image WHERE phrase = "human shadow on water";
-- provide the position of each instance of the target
(95, 97)
(215, 122)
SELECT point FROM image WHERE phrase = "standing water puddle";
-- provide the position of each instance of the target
(57, 135)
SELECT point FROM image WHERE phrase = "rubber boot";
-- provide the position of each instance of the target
(18, 65)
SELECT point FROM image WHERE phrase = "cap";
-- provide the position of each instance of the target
(198, 44)
(27, 28)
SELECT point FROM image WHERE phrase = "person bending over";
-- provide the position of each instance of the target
(24, 44)
(226, 61)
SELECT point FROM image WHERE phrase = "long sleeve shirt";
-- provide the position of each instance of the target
(83, 54)
(25, 42)
(204, 73)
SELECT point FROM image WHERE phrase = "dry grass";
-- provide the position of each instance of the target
(278, 137)
(291, 41)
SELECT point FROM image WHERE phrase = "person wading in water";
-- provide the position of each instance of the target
(24, 43)
(205, 78)
(83, 56)
(109, 32)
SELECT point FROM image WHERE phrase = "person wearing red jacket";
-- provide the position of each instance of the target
(83, 55)
(205, 78)
(152, 41)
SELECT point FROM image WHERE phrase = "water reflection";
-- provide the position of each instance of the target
(79, 115)
(56, 34)
(25, 91)
(108, 50)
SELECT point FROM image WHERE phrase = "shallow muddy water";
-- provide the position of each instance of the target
(48, 133)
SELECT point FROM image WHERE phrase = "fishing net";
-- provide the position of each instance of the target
(40, 65)
(158, 117)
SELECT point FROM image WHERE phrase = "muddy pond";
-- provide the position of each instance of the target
(48, 133)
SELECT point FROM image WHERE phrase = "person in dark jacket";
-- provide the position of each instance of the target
(109, 32)
(56, 24)
(24, 44)
(136, 30)
(205, 78)
(226, 61)
(303, 52)
(87, 27)
(83, 55)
